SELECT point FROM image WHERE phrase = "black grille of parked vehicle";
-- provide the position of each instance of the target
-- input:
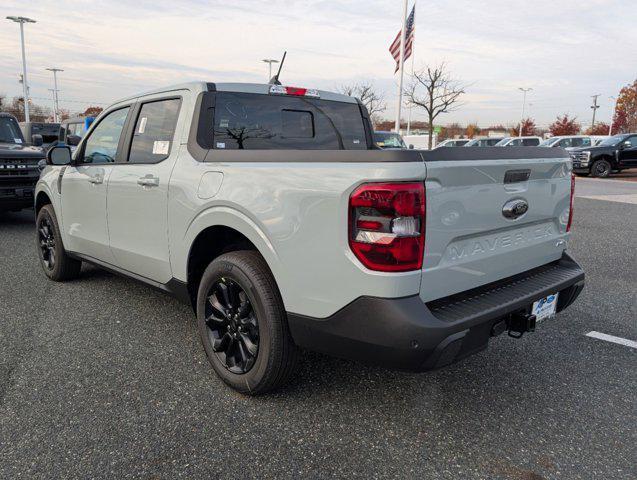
(24, 169)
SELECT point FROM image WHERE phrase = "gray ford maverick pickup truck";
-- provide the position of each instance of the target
(271, 211)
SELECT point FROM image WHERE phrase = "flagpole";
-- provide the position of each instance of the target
(413, 49)
(402, 68)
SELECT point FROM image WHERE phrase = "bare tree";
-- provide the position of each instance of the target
(367, 94)
(435, 91)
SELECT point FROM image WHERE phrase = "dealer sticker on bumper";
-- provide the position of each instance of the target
(545, 307)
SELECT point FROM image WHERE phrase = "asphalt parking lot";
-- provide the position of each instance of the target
(106, 378)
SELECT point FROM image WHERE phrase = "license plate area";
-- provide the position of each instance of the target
(545, 307)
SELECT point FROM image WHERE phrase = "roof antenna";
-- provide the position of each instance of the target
(275, 80)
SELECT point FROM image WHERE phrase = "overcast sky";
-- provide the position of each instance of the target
(566, 50)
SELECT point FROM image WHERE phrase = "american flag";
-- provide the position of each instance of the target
(394, 49)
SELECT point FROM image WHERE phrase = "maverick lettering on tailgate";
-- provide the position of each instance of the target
(478, 246)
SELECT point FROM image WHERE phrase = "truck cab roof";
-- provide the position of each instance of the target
(237, 87)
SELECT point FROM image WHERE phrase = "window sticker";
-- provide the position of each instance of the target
(356, 141)
(142, 125)
(224, 123)
(221, 145)
(17, 140)
(161, 147)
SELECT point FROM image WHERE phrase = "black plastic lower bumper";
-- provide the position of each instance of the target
(16, 198)
(406, 333)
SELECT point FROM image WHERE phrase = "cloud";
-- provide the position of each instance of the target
(565, 50)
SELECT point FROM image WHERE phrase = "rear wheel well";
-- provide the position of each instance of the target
(209, 244)
(41, 200)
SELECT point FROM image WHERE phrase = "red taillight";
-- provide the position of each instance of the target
(387, 225)
(570, 210)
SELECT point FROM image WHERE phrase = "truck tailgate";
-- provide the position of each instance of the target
(469, 240)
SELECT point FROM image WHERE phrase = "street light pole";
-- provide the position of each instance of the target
(25, 86)
(269, 61)
(594, 106)
(524, 90)
(612, 115)
(56, 109)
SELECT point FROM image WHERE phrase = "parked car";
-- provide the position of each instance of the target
(420, 142)
(271, 211)
(453, 142)
(615, 153)
(483, 142)
(519, 142)
(40, 133)
(597, 139)
(73, 129)
(568, 141)
(389, 140)
(18, 166)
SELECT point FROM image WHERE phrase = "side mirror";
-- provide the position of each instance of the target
(59, 156)
(36, 140)
(41, 164)
(411, 146)
(73, 140)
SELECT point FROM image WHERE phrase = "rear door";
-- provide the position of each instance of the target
(469, 240)
(83, 188)
(138, 189)
(628, 156)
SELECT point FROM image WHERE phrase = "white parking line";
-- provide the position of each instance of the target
(613, 339)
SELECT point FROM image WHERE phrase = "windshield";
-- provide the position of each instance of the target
(473, 143)
(10, 131)
(503, 142)
(612, 141)
(549, 142)
(389, 140)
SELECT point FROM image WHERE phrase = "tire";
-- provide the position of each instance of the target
(54, 260)
(248, 345)
(601, 169)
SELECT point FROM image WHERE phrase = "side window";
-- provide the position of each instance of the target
(154, 131)
(530, 142)
(585, 142)
(515, 143)
(567, 142)
(101, 145)
(630, 142)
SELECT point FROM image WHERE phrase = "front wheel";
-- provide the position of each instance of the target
(55, 262)
(243, 324)
(601, 168)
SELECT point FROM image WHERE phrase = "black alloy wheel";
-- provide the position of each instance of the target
(601, 169)
(46, 241)
(232, 325)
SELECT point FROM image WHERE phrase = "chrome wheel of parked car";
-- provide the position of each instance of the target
(232, 326)
(46, 240)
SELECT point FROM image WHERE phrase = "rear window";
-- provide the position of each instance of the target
(245, 121)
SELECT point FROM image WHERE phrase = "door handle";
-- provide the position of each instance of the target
(148, 181)
(96, 180)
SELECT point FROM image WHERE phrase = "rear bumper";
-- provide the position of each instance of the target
(406, 333)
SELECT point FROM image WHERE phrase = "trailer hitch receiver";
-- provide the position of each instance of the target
(520, 323)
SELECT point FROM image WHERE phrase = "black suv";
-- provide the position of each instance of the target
(19, 170)
(613, 154)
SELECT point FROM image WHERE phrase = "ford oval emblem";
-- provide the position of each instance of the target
(515, 208)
